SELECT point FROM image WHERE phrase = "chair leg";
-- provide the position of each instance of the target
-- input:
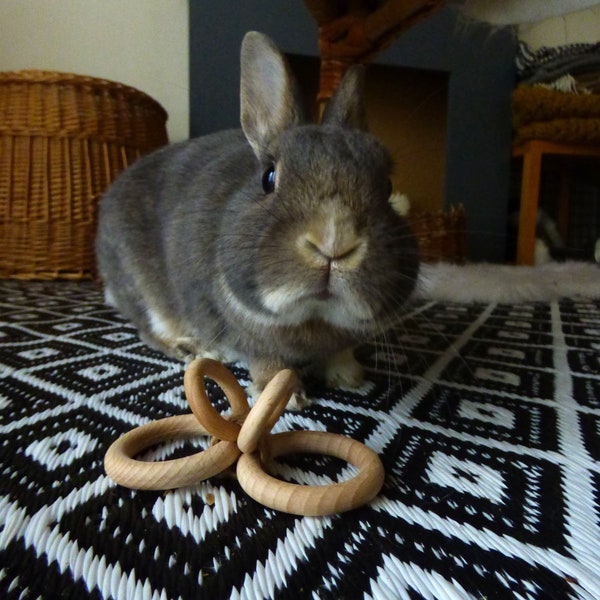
(530, 192)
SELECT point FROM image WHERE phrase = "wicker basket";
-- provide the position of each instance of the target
(441, 236)
(63, 139)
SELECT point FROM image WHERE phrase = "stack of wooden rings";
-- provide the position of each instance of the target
(250, 443)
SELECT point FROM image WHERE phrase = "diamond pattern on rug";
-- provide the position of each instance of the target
(486, 418)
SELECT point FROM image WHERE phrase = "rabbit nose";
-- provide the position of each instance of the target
(330, 251)
(333, 242)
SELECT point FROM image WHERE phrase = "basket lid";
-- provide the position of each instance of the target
(37, 76)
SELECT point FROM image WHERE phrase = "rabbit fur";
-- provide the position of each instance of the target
(275, 244)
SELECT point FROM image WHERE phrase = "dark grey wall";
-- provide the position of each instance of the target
(216, 32)
(481, 66)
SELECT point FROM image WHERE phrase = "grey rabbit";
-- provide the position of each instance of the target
(275, 244)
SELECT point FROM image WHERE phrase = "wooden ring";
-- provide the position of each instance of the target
(267, 409)
(204, 411)
(136, 474)
(313, 500)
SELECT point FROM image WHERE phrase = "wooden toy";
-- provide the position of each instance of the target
(244, 436)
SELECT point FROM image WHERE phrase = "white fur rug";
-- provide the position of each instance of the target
(508, 284)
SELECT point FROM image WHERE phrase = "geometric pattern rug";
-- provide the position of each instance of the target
(485, 416)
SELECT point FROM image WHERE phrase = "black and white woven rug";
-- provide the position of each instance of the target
(486, 417)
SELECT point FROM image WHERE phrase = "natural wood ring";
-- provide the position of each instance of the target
(313, 500)
(205, 412)
(136, 474)
(267, 409)
(252, 435)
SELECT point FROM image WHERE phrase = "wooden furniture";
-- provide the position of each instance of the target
(532, 152)
(355, 31)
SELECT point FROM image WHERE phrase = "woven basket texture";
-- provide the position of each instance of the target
(441, 235)
(63, 140)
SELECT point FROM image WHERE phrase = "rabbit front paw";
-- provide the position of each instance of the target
(344, 371)
(262, 371)
(298, 400)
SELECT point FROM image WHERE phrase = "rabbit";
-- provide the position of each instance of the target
(274, 245)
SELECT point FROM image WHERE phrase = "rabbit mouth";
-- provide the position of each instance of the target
(293, 306)
(324, 286)
(323, 295)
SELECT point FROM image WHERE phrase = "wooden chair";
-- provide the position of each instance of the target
(532, 152)
(355, 31)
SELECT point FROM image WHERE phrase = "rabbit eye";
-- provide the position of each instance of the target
(389, 188)
(268, 180)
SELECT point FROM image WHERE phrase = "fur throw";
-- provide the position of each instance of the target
(508, 284)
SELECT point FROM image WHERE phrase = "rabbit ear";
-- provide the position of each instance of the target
(268, 96)
(347, 106)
